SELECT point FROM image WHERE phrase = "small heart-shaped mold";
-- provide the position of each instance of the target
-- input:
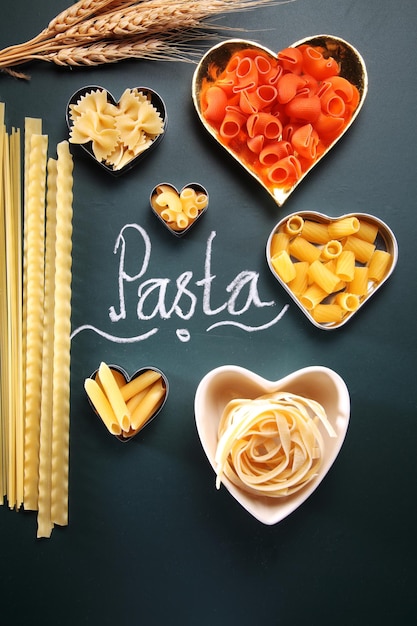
(279, 114)
(229, 382)
(122, 379)
(179, 210)
(153, 97)
(306, 251)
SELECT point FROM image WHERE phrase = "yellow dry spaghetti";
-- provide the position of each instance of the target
(45, 525)
(34, 322)
(272, 445)
(62, 342)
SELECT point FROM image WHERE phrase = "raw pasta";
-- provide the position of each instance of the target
(321, 271)
(272, 445)
(118, 133)
(178, 210)
(278, 115)
(125, 407)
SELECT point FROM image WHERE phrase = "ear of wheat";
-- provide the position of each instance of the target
(93, 32)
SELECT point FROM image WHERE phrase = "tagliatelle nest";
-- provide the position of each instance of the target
(271, 446)
(118, 133)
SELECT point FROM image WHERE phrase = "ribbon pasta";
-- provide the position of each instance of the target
(273, 445)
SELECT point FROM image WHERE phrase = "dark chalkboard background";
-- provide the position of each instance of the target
(150, 540)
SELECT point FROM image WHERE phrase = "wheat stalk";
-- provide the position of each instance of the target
(89, 22)
(101, 53)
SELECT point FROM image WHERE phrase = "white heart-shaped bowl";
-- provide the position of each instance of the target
(229, 382)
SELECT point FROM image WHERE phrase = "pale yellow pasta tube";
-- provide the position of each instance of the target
(168, 215)
(359, 284)
(139, 383)
(303, 250)
(102, 406)
(283, 266)
(62, 339)
(279, 241)
(367, 231)
(114, 396)
(312, 296)
(201, 201)
(294, 225)
(343, 227)
(348, 301)
(328, 313)
(324, 277)
(331, 250)
(181, 221)
(345, 265)
(315, 232)
(148, 405)
(169, 199)
(379, 265)
(363, 250)
(191, 211)
(34, 307)
(299, 284)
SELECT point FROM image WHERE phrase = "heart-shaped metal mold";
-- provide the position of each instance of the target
(153, 97)
(351, 68)
(384, 242)
(223, 384)
(179, 210)
(122, 378)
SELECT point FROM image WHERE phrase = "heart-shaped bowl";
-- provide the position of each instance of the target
(378, 255)
(122, 378)
(154, 99)
(229, 382)
(238, 83)
(179, 210)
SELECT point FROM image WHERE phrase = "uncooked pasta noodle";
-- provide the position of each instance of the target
(301, 90)
(273, 445)
(178, 210)
(118, 133)
(62, 341)
(333, 263)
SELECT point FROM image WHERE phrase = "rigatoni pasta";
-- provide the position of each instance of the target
(329, 266)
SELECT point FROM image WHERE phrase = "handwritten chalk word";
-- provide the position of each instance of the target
(153, 300)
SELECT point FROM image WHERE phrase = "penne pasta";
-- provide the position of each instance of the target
(148, 405)
(114, 396)
(102, 406)
(139, 383)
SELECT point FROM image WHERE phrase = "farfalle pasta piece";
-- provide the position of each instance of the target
(100, 130)
(118, 133)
